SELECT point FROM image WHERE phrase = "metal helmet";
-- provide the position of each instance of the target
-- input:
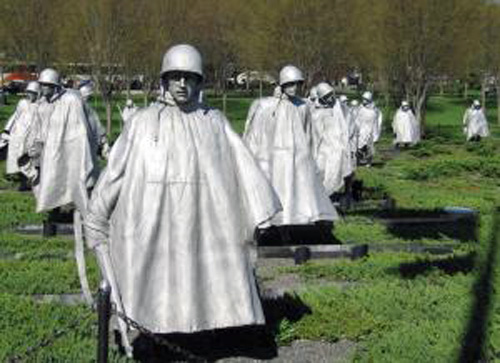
(183, 58)
(324, 89)
(33, 87)
(289, 74)
(368, 96)
(405, 104)
(129, 103)
(87, 90)
(476, 103)
(354, 103)
(50, 76)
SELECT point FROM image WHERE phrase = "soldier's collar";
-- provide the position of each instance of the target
(57, 95)
(168, 100)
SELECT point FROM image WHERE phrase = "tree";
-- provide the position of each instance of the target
(414, 44)
(102, 24)
(28, 29)
(309, 34)
(489, 56)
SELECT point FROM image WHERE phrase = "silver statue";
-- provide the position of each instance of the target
(279, 134)
(19, 133)
(68, 167)
(405, 126)
(369, 124)
(171, 213)
(475, 123)
(331, 140)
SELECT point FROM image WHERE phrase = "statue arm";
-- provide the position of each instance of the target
(107, 192)
(250, 118)
(258, 196)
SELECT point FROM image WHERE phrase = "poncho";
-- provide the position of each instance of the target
(19, 126)
(179, 199)
(368, 122)
(331, 146)
(405, 126)
(67, 163)
(475, 123)
(278, 132)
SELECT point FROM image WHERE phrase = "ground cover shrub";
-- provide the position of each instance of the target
(18, 208)
(29, 247)
(27, 277)
(24, 323)
(387, 265)
(487, 167)
(393, 320)
(355, 229)
(397, 307)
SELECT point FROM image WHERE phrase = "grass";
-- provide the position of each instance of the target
(397, 307)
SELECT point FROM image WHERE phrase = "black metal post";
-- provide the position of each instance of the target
(104, 314)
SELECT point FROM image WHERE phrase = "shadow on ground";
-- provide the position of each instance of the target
(253, 342)
(414, 224)
(449, 265)
(474, 340)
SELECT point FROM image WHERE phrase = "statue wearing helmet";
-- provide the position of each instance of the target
(98, 137)
(180, 196)
(68, 162)
(475, 122)
(368, 121)
(331, 141)
(405, 126)
(18, 136)
(278, 131)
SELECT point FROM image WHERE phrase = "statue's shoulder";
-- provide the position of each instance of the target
(265, 102)
(71, 96)
(213, 113)
(23, 104)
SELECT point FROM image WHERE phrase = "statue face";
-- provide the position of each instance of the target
(31, 96)
(291, 89)
(183, 86)
(48, 90)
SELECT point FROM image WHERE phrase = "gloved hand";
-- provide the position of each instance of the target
(5, 135)
(4, 138)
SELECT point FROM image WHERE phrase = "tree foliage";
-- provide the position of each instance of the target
(400, 46)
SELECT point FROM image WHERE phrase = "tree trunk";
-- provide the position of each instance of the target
(497, 86)
(421, 107)
(483, 92)
(466, 90)
(108, 117)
